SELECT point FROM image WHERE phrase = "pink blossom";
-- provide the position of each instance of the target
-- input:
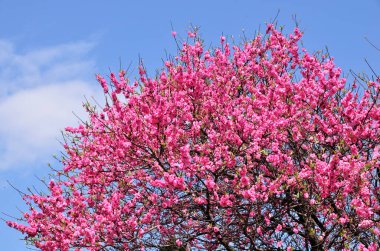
(261, 146)
(191, 34)
(178, 242)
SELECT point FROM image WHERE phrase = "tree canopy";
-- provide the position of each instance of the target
(262, 146)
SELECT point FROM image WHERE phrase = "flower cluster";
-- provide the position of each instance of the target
(257, 147)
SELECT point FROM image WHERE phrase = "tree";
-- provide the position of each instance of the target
(257, 147)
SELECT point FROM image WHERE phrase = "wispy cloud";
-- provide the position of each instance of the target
(39, 90)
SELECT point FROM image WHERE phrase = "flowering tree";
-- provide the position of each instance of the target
(258, 147)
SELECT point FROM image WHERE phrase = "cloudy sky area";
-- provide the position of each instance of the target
(39, 91)
(50, 53)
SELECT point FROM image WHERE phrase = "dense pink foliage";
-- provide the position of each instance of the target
(260, 148)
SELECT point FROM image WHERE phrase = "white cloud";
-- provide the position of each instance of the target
(39, 90)
(42, 66)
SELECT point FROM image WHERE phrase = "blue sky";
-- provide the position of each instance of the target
(50, 52)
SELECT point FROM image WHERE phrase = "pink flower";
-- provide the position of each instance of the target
(225, 201)
(210, 184)
(222, 39)
(244, 181)
(366, 224)
(191, 34)
(259, 231)
(178, 242)
(295, 230)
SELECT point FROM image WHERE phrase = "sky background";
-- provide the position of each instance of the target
(50, 52)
